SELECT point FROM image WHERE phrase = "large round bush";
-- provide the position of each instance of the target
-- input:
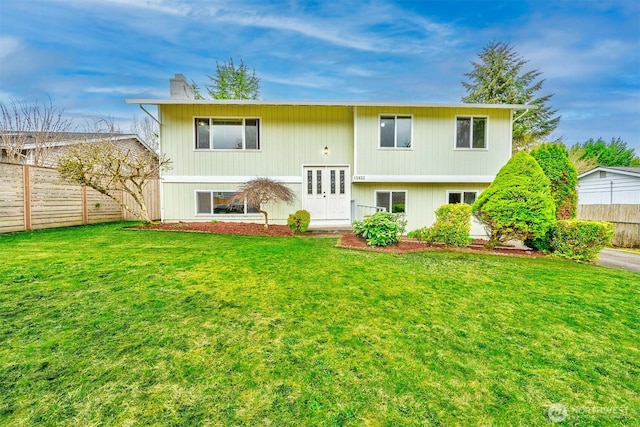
(518, 203)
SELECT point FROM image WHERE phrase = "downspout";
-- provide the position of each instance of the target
(611, 192)
(513, 120)
(149, 114)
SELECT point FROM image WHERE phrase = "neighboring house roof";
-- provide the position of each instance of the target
(324, 103)
(631, 171)
(71, 138)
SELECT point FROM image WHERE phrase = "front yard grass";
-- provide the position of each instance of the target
(104, 326)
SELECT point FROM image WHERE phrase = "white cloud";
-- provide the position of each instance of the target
(8, 46)
(127, 90)
(159, 6)
(369, 27)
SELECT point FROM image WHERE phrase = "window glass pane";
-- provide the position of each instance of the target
(202, 133)
(479, 127)
(404, 132)
(251, 209)
(469, 197)
(333, 182)
(203, 200)
(463, 132)
(383, 200)
(227, 134)
(221, 204)
(251, 134)
(455, 198)
(319, 182)
(309, 182)
(398, 201)
(387, 131)
(341, 182)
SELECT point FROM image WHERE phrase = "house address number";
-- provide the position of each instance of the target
(358, 177)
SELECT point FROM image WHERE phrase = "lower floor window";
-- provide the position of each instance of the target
(219, 202)
(392, 201)
(468, 197)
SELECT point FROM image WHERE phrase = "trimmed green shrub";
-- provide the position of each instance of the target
(581, 240)
(299, 221)
(379, 229)
(518, 203)
(452, 226)
(542, 244)
(420, 234)
(563, 177)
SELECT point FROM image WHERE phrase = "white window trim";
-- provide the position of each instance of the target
(461, 192)
(227, 150)
(214, 215)
(406, 197)
(395, 137)
(470, 148)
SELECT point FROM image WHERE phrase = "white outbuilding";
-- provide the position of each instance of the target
(609, 186)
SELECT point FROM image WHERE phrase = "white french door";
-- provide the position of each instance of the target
(327, 192)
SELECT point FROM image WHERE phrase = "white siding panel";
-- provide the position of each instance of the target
(612, 189)
(422, 200)
(433, 151)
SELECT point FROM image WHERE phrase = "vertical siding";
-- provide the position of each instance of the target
(433, 151)
(182, 206)
(290, 137)
(422, 200)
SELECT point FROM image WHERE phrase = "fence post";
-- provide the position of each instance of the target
(85, 207)
(26, 181)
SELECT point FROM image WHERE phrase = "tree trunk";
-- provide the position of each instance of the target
(266, 219)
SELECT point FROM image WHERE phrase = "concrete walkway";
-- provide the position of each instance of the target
(619, 259)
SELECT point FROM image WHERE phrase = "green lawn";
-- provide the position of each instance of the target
(101, 326)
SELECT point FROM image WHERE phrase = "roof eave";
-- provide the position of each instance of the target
(609, 169)
(324, 103)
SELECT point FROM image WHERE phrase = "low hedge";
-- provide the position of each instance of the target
(580, 240)
(452, 226)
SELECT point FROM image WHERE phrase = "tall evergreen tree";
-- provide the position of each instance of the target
(231, 82)
(499, 78)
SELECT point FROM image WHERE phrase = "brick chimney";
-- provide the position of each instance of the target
(180, 89)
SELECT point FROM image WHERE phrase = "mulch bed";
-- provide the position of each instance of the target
(221, 227)
(346, 240)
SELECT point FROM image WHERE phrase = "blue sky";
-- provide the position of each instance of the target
(89, 55)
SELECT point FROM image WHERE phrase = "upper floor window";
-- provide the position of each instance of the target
(395, 131)
(468, 197)
(227, 134)
(471, 132)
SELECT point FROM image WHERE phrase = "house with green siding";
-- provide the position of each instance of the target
(342, 159)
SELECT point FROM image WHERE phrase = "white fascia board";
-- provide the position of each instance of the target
(195, 179)
(611, 170)
(424, 178)
(325, 103)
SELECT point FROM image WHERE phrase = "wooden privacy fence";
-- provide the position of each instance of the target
(626, 219)
(33, 198)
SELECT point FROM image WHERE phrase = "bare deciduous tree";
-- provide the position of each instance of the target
(148, 130)
(28, 131)
(260, 191)
(109, 168)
